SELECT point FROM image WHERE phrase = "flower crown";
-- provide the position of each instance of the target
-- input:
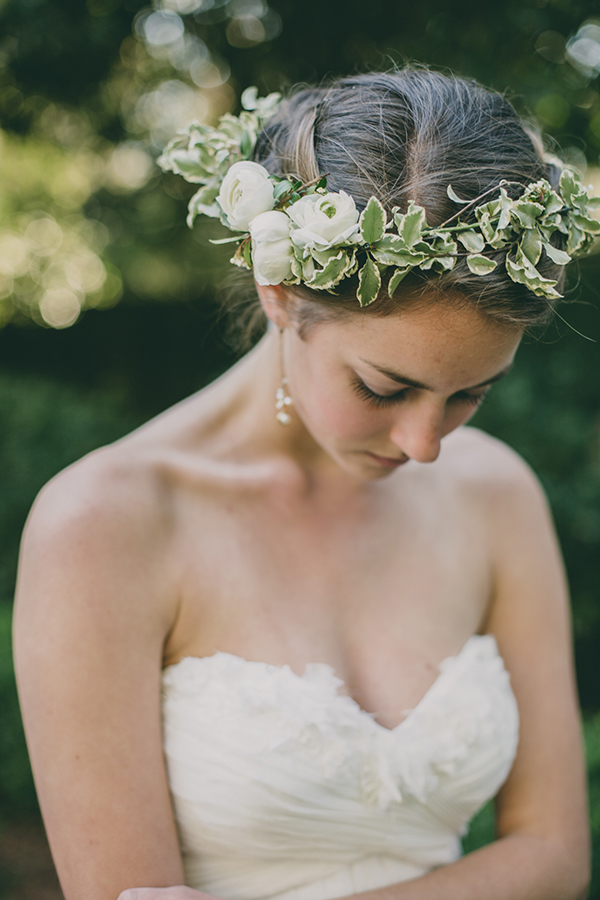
(293, 233)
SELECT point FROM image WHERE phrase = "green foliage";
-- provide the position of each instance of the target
(17, 794)
(44, 426)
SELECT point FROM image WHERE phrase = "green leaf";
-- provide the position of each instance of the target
(249, 98)
(592, 226)
(570, 184)
(369, 283)
(521, 271)
(557, 256)
(281, 187)
(322, 182)
(576, 238)
(203, 203)
(411, 225)
(229, 240)
(471, 241)
(481, 265)
(439, 263)
(506, 205)
(531, 244)
(391, 250)
(527, 212)
(242, 256)
(553, 203)
(487, 229)
(372, 221)
(454, 197)
(247, 143)
(296, 268)
(335, 269)
(398, 276)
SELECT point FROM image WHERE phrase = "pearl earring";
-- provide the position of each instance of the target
(282, 398)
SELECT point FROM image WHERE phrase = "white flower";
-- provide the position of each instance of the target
(324, 220)
(246, 191)
(272, 249)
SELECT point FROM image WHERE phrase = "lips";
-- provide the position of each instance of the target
(390, 462)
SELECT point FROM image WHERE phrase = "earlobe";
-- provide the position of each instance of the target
(275, 302)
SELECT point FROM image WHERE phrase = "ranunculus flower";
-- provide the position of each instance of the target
(246, 191)
(324, 220)
(272, 248)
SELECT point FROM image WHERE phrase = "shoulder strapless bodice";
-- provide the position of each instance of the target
(283, 787)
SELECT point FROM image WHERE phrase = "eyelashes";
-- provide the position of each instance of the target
(385, 400)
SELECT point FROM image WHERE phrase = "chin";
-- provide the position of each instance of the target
(359, 466)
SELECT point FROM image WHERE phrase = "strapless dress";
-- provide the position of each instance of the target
(284, 788)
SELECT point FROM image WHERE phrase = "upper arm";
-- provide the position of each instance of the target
(545, 793)
(92, 609)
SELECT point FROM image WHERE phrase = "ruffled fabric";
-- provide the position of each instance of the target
(285, 788)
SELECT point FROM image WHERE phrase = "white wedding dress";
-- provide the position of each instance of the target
(284, 788)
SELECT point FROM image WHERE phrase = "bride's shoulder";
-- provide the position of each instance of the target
(110, 496)
(130, 492)
(490, 468)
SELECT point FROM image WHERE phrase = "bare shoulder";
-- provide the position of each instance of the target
(97, 543)
(111, 490)
(486, 463)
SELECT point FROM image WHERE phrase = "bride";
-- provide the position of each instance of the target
(287, 638)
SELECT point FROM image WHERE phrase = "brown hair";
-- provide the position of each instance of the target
(406, 135)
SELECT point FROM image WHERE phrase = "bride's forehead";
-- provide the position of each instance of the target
(435, 324)
(425, 341)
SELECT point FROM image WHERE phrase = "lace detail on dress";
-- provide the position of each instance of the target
(281, 784)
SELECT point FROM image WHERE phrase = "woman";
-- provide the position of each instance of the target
(301, 511)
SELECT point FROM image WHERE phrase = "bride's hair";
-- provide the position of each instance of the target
(406, 135)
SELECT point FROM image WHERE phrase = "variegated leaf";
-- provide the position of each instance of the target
(369, 283)
(481, 265)
(372, 221)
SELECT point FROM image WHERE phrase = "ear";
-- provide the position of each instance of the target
(275, 302)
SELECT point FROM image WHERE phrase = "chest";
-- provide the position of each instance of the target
(381, 591)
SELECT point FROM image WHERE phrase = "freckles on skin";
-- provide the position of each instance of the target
(446, 347)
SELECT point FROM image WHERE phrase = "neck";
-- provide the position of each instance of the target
(245, 398)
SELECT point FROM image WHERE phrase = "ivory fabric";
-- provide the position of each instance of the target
(284, 788)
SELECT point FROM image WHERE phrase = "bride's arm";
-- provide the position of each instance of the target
(95, 600)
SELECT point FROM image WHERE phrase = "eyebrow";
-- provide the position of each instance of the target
(402, 379)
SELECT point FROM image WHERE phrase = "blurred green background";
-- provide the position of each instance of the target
(107, 301)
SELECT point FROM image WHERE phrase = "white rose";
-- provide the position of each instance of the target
(246, 191)
(323, 220)
(272, 249)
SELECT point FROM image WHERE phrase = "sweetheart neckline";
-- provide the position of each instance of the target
(442, 670)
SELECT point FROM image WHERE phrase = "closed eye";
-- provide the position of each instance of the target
(473, 399)
(378, 400)
(384, 400)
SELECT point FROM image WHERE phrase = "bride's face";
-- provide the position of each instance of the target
(376, 392)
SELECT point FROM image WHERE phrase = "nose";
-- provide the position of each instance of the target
(418, 430)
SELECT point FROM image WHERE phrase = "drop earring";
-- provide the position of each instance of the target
(282, 399)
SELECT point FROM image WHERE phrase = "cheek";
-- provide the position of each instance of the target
(336, 414)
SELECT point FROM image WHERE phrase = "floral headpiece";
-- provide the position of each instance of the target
(291, 233)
